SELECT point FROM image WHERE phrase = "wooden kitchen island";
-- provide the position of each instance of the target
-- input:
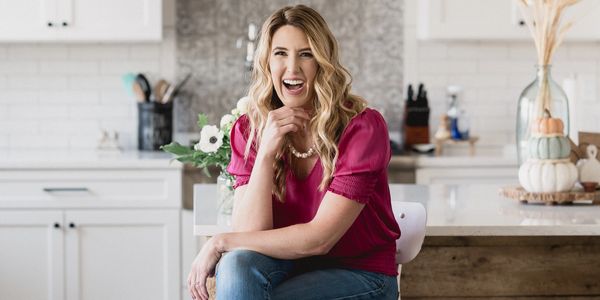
(481, 245)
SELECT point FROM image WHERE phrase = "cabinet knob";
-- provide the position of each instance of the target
(56, 225)
(65, 24)
(521, 23)
(50, 24)
(71, 225)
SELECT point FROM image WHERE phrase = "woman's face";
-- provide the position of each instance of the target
(293, 67)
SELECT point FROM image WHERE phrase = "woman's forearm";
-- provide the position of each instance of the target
(253, 210)
(292, 242)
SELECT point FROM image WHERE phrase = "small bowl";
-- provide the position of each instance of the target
(589, 186)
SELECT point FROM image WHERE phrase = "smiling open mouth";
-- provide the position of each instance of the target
(293, 85)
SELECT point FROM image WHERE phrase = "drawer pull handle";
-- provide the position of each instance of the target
(75, 189)
(71, 225)
(56, 225)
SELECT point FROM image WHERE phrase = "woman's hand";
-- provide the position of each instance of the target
(280, 122)
(203, 267)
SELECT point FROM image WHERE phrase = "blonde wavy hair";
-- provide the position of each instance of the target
(334, 105)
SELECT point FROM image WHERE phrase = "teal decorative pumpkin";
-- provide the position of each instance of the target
(556, 147)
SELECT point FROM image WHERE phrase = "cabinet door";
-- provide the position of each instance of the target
(31, 255)
(470, 19)
(27, 20)
(110, 20)
(122, 254)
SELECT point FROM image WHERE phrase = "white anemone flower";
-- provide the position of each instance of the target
(242, 105)
(226, 120)
(211, 139)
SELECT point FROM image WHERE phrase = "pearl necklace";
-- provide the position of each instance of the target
(306, 154)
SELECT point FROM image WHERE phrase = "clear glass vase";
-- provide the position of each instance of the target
(225, 201)
(542, 93)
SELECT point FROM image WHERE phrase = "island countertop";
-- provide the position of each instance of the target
(457, 210)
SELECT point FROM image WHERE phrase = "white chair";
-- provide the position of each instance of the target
(412, 218)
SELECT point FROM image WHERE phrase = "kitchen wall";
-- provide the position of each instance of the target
(59, 96)
(369, 33)
(493, 74)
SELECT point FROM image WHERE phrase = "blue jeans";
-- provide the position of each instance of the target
(244, 274)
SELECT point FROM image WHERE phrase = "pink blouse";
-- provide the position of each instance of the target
(360, 175)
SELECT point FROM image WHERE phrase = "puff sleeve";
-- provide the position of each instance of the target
(364, 152)
(238, 166)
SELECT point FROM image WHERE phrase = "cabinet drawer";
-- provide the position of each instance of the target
(91, 188)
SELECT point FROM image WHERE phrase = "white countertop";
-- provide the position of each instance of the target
(465, 161)
(54, 159)
(463, 210)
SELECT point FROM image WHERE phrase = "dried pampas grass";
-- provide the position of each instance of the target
(543, 18)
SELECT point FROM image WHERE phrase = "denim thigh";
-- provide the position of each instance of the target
(337, 284)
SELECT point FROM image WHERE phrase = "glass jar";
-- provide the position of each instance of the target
(542, 93)
(225, 201)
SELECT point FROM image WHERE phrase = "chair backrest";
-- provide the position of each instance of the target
(412, 218)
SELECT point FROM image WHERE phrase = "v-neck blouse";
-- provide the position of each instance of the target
(360, 175)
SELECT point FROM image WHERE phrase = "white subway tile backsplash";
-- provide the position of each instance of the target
(447, 67)
(39, 141)
(478, 81)
(70, 127)
(84, 141)
(37, 82)
(69, 67)
(583, 51)
(69, 97)
(98, 52)
(467, 50)
(18, 97)
(77, 112)
(95, 82)
(151, 66)
(37, 51)
(17, 126)
(427, 51)
(18, 67)
(37, 112)
(116, 96)
(522, 51)
(3, 52)
(144, 51)
(492, 50)
(503, 67)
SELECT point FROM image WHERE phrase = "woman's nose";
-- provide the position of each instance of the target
(292, 64)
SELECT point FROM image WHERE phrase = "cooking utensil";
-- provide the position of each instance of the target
(171, 93)
(144, 85)
(137, 90)
(128, 80)
(160, 88)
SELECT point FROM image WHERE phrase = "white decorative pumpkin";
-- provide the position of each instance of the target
(547, 176)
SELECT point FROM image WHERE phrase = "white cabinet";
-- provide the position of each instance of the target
(123, 254)
(31, 255)
(90, 234)
(495, 20)
(80, 20)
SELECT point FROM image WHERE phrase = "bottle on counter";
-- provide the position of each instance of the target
(453, 111)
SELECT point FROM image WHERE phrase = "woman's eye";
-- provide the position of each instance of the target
(279, 53)
(306, 54)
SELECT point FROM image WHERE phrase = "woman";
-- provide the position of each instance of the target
(312, 217)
